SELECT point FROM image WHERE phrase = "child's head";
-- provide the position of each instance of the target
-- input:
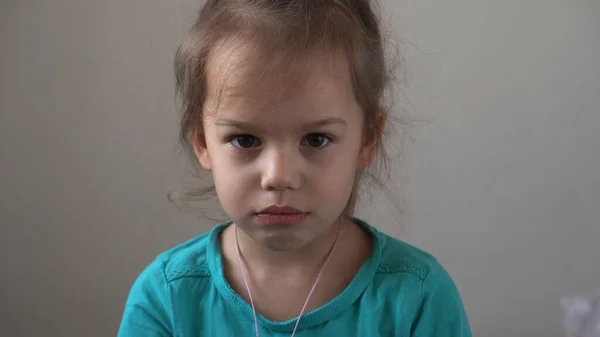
(282, 103)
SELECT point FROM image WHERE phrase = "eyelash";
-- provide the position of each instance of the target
(330, 140)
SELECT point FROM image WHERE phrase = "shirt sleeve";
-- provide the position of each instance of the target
(148, 308)
(441, 312)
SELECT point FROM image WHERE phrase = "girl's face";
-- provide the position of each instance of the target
(299, 148)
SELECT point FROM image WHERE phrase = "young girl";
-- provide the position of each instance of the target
(283, 106)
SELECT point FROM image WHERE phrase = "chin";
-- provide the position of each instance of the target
(284, 237)
(283, 241)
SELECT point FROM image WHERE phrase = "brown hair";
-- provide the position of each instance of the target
(288, 32)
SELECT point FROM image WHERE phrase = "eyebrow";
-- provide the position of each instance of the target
(248, 125)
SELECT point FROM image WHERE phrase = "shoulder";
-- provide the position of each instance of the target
(188, 259)
(404, 260)
(424, 286)
(400, 257)
(149, 309)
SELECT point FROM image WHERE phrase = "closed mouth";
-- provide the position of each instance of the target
(281, 216)
(281, 210)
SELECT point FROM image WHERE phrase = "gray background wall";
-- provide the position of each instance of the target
(503, 185)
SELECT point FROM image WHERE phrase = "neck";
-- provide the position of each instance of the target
(303, 261)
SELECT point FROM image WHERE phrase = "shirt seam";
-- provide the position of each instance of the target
(409, 268)
(170, 300)
(421, 299)
(200, 272)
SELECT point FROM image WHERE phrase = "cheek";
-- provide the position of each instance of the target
(233, 189)
(336, 180)
(230, 180)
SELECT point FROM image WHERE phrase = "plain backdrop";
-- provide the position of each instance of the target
(501, 183)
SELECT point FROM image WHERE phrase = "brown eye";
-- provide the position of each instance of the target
(241, 142)
(316, 140)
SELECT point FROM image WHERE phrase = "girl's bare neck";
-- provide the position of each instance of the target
(304, 260)
(281, 284)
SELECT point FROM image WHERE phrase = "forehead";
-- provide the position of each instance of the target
(242, 78)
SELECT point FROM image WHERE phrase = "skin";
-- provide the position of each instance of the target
(298, 146)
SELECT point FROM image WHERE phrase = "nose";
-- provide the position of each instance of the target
(281, 170)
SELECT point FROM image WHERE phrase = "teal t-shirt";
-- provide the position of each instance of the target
(399, 291)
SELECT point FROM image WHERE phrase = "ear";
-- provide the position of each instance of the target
(201, 149)
(372, 143)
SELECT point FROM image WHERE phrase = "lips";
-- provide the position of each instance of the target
(280, 210)
(281, 215)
